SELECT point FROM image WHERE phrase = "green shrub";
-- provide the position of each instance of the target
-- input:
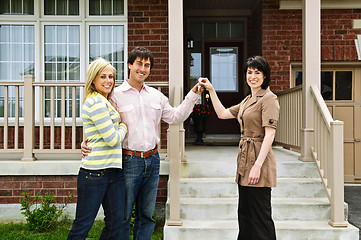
(40, 212)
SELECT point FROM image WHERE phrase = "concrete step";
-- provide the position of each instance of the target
(282, 208)
(217, 169)
(285, 230)
(226, 187)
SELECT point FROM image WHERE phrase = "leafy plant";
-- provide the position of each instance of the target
(40, 212)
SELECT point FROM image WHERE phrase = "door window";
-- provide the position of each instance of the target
(224, 68)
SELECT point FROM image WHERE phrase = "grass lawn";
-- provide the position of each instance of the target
(19, 231)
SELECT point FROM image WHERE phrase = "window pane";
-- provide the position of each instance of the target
(17, 59)
(223, 30)
(94, 7)
(61, 50)
(343, 85)
(73, 7)
(327, 85)
(62, 62)
(118, 8)
(50, 70)
(14, 40)
(5, 7)
(17, 7)
(106, 7)
(224, 71)
(108, 42)
(210, 30)
(28, 7)
(61, 7)
(237, 29)
(49, 7)
(298, 76)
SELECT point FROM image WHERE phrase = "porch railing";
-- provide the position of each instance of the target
(327, 149)
(32, 130)
(289, 123)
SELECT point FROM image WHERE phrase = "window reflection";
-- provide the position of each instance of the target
(224, 70)
(343, 85)
(62, 64)
(61, 7)
(17, 7)
(108, 42)
(327, 85)
(16, 60)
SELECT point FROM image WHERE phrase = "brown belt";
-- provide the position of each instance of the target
(140, 154)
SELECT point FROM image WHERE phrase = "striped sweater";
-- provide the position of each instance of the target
(104, 131)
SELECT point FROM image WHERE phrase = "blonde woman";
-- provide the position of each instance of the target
(101, 178)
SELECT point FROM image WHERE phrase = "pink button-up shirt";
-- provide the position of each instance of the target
(142, 112)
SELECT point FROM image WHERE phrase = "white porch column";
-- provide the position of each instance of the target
(311, 69)
(175, 31)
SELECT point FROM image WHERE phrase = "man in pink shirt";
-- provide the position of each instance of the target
(141, 108)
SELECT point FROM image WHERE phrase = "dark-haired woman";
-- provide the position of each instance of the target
(257, 115)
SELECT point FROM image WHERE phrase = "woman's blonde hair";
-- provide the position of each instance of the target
(94, 69)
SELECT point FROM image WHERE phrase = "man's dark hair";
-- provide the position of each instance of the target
(142, 53)
(262, 65)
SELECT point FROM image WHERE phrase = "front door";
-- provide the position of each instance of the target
(224, 68)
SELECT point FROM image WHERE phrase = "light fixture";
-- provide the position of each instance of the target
(190, 42)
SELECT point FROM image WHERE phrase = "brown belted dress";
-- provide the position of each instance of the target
(253, 114)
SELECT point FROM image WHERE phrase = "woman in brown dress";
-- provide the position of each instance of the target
(257, 115)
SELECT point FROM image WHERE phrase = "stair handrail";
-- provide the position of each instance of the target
(327, 152)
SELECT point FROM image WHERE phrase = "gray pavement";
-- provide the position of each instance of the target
(353, 199)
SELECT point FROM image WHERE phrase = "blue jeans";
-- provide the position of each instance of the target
(95, 187)
(141, 183)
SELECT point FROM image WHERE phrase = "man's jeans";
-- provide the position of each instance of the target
(141, 183)
(95, 187)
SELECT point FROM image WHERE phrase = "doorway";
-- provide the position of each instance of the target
(219, 36)
(224, 68)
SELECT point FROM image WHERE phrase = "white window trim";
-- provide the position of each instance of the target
(39, 21)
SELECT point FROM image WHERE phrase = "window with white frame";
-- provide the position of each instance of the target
(57, 43)
(16, 60)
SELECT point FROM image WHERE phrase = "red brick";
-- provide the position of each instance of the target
(66, 192)
(6, 193)
(31, 185)
(53, 184)
(70, 184)
(9, 185)
(6, 200)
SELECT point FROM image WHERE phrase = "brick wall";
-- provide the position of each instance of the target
(282, 39)
(61, 187)
(148, 27)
